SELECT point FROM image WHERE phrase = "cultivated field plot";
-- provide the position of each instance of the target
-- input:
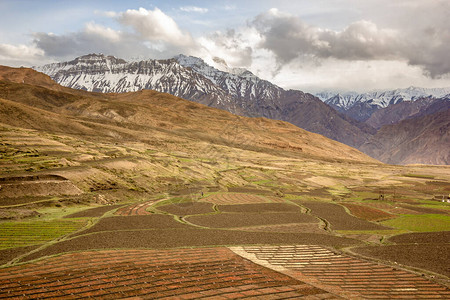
(138, 209)
(147, 222)
(18, 234)
(338, 217)
(352, 278)
(420, 223)
(230, 220)
(188, 208)
(368, 213)
(182, 274)
(232, 198)
(425, 250)
(260, 207)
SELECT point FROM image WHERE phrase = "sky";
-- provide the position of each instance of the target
(310, 45)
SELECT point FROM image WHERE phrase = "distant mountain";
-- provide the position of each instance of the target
(233, 89)
(422, 139)
(395, 113)
(362, 106)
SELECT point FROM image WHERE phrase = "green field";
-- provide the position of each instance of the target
(420, 223)
(19, 234)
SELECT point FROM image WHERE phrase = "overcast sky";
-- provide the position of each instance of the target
(359, 45)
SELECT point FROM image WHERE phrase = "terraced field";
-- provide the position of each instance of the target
(228, 247)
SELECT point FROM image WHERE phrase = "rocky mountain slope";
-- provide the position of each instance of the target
(362, 106)
(422, 139)
(395, 113)
(235, 90)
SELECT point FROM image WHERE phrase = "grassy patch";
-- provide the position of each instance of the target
(19, 234)
(420, 223)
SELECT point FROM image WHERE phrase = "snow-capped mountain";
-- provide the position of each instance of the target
(107, 74)
(234, 89)
(362, 106)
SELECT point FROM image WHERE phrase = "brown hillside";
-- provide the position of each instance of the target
(152, 117)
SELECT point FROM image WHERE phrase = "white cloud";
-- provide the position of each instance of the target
(145, 33)
(195, 9)
(93, 29)
(386, 47)
(154, 25)
(20, 55)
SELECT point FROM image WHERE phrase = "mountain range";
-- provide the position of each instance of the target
(362, 106)
(239, 92)
(353, 119)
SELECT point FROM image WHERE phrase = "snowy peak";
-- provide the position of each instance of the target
(381, 98)
(362, 106)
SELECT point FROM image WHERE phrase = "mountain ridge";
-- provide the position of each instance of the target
(361, 106)
(192, 79)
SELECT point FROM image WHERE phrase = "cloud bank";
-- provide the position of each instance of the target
(275, 44)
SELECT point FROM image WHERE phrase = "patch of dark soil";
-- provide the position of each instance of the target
(422, 238)
(9, 254)
(249, 190)
(190, 237)
(93, 212)
(188, 208)
(431, 257)
(135, 223)
(424, 210)
(260, 207)
(338, 217)
(230, 220)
